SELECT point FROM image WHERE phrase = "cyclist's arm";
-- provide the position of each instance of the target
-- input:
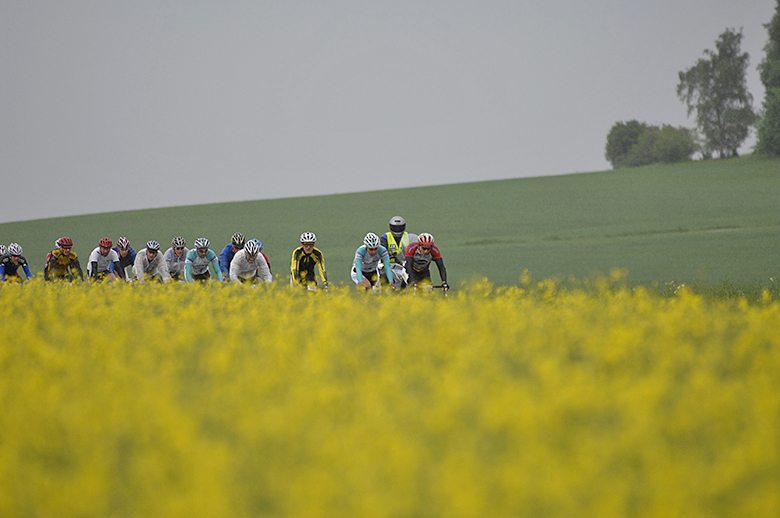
(442, 270)
(27, 271)
(217, 267)
(265, 272)
(294, 268)
(323, 273)
(77, 265)
(388, 267)
(188, 270)
(224, 263)
(358, 263)
(2, 272)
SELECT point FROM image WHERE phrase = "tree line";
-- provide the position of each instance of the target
(714, 90)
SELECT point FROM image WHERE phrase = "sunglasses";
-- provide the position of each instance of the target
(425, 248)
(179, 248)
(372, 249)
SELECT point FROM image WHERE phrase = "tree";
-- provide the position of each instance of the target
(769, 127)
(622, 137)
(634, 143)
(716, 89)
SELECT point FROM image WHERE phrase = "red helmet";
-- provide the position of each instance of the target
(425, 239)
(64, 241)
(105, 242)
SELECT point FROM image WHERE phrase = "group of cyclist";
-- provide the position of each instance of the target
(396, 258)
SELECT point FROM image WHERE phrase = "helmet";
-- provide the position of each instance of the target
(371, 240)
(425, 239)
(178, 242)
(153, 245)
(105, 242)
(251, 248)
(15, 249)
(259, 243)
(123, 243)
(397, 224)
(308, 237)
(64, 241)
(238, 239)
(202, 242)
(3, 249)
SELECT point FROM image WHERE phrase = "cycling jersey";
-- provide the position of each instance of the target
(418, 264)
(157, 268)
(197, 267)
(100, 265)
(242, 269)
(397, 247)
(225, 257)
(176, 264)
(366, 264)
(303, 266)
(124, 262)
(9, 268)
(62, 266)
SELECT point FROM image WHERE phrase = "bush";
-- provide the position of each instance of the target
(634, 143)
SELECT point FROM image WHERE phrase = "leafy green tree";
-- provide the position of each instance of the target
(769, 127)
(674, 144)
(634, 143)
(715, 88)
(622, 137)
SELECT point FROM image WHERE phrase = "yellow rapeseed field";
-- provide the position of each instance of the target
(532, 400)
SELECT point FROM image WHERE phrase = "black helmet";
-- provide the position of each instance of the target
(238, 240)
(397, 224)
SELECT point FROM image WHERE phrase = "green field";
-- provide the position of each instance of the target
(709, 223)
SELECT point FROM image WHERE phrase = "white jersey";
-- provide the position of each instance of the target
(175, 264)
(242, 268)
(156, 268)
(102, 260)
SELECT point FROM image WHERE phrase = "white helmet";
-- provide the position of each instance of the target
(371, 240)
(202, 242)
(308, 237)
(425, 239)
(3, 249)
(251, 248)
(122, 243)
(178, 242)
(153, 245)
(15, 249)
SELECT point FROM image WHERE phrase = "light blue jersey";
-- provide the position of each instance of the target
(197, 265)
(365, 262)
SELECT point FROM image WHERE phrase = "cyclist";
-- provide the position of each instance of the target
(127, 256)
(397, 241)
(150, 264)
(176, 256)
(103, 262)
(3, 250)
(10, 263)
(305, 260)
(62, 263)
(237, 242)
(419, 256)
(365, 267)
(196, 266)
(249, 265)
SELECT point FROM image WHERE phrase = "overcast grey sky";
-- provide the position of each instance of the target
(112, 105)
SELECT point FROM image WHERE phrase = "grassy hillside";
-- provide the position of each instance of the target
(706, 222)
